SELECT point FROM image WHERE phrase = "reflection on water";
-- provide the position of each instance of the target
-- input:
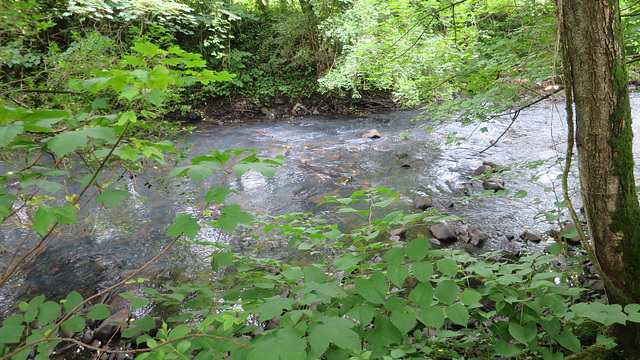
(324, 156)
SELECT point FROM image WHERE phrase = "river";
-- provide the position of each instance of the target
(324, 156)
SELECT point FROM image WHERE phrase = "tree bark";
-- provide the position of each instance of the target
(596, 81)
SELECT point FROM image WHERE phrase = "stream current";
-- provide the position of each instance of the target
(324, 156)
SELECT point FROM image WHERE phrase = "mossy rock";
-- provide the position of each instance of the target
(595, 352)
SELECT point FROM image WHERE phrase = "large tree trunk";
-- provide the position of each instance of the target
(596, 80)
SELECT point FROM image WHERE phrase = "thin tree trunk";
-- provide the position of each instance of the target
(596, 74)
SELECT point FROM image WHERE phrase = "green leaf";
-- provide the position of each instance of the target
(99, 312)
(432, 317)
(519, 194)
(556, 248)
(523, 334)
(72, 300)
(403, 320)
(458, 314)
(42, 219)
(397, 274)
(286, 344)
(9, 132)
(470, 296)
(147, 48)
(32, 308)
(373, 289)
(502, 348)
(179, 331)
(394, 256)
(551, 327)
(49, 311)
(314, 274)
(447, 291)
(422, 270)
(112, 197)
(10, 334)
(384, 333)
(422, 295)
(147, 323)
(273, 307)
(569, 341)
(294, 273)
(217, 194)
(607, 342)
(417, 249)
(448, 267)
(333, 330)
(65, 214)
(74, 324)
(222, 259)
(232, 215)
(362, 313)
(67, 142)
(345, 262)
(15, 319)
(138, 303)
(184, 224)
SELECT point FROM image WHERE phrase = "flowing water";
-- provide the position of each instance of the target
(324, 156)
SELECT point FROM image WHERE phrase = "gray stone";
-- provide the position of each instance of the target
(112, 326)
(475, 237)
(568, 228)
(423, 202)
(493, 184)
(371, 134)
(530, 236)
(481, 170)
(443, 232)
(399, 231)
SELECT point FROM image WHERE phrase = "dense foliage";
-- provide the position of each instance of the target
(86, 85)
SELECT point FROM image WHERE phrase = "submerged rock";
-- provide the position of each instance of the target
(423, 202)
(493, 184)
(371, 134)
(481, 170)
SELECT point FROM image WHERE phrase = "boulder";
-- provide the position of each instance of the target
(493, 184)
(527, 235)
(398, 232)
(443, 232)
(475, 237)
(481, 170)
(299, 110)
(111, 326)
(567, 229)
(423, 202)
(371, 134)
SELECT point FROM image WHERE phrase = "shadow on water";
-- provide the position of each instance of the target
(324, 157)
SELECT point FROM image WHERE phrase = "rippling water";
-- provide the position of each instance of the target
(324, 156)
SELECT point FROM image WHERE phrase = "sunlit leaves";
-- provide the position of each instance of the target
(285, 344)
(67, 142)
(184, 224)
(45, 215)
(112, 197)
(373, 289)
(233, 215)
(99, 312)
(333, 330)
